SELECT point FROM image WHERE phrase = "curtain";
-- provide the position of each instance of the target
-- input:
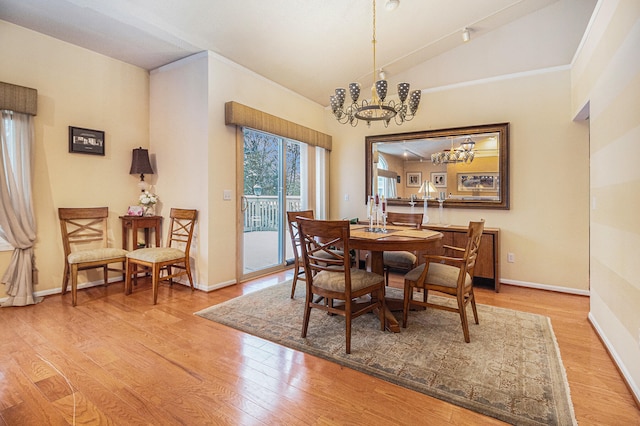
(17, 223)
(391, 188)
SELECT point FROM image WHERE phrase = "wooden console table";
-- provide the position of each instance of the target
(147, 223)
(488, 261)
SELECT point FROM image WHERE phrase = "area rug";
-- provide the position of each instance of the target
(511, 370)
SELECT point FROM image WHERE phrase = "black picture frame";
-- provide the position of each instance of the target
(86, 141)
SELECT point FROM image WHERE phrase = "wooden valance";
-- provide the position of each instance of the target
(242, 115)
(18, 99)
(387, 174)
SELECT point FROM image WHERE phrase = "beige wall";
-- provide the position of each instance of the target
(547, 225)
(606, 77)
(79, 88)
(196, 151)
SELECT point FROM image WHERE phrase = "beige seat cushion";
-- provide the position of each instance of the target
(93, 255)
(439, 274)
(156, 254)
(399, 259)
(335, 280)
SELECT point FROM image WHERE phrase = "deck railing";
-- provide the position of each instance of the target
(262, 212)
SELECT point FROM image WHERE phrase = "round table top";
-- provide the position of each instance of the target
(395, 239)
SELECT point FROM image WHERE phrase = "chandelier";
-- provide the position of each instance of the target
(376, 109)
(463, 154)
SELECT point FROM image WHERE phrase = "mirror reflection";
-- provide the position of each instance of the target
(465, 167)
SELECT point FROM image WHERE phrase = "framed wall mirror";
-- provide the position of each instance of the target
(467, 167)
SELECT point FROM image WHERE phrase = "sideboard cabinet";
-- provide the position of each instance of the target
(487, 264)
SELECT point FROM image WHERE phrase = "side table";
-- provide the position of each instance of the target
(147, 223)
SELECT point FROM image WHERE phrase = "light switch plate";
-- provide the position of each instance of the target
(226, 194)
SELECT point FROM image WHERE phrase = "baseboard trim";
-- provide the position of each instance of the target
(628, 380)
(546, 287)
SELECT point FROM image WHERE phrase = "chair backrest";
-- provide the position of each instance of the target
(474, 236)
(411, 219)
(294, 232)
(181, 228)
(85, 226)
(319, 239)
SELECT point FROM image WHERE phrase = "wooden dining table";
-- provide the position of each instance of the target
(394, 238)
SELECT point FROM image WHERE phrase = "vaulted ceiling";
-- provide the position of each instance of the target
(307, 46)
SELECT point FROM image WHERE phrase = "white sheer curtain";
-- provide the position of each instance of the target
(17, 223)
(321, 183)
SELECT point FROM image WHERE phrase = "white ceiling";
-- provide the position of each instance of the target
(308, 46)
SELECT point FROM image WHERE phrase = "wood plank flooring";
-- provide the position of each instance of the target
(118, 359)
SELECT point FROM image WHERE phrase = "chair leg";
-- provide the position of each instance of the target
(382, 302)
(128, 270)
(105, 274)
(408, 295)
(295, 280)
(187, 267)
(347, 320)
(307, 314)
(74, 284)
(65, 278)
(155, 278)
(463, 318)
(472, 298)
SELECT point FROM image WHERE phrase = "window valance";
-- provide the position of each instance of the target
(242, 115)
(387, 173)
(18, 99)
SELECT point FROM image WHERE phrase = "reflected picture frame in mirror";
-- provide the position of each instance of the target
(470, 165)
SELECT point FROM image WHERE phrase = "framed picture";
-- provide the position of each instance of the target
(478, 182)
(414, 179)
(86, 141)
(439, 179)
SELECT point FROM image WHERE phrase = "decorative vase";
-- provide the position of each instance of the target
(150, 210)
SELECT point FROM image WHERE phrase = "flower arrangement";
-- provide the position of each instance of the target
(148, 199)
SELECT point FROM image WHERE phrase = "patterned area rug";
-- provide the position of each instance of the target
(511, 370)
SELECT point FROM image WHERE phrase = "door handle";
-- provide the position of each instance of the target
(243, 203)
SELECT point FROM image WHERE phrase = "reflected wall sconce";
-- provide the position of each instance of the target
(140, 164)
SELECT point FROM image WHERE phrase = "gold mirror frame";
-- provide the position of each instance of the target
(499, 198)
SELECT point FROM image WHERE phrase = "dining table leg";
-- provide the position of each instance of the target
(376, 264)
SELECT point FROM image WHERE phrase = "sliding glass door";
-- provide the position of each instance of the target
(272, 184)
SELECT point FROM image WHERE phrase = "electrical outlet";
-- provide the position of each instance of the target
(511, 257)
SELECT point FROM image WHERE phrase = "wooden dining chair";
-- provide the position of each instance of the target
(449, 275)
(402, 260)
(329, 275)
(174, 256)
(294, 234)
(85, 242)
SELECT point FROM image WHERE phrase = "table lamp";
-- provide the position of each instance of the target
(426, 190)
(140, 164)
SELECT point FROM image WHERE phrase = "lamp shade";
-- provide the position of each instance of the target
(140, 162)
(427, 189)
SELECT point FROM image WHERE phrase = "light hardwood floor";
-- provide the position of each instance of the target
(130, 362)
